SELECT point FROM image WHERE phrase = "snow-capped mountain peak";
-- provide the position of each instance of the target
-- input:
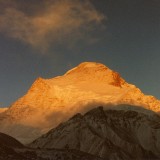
(95, 72)
(51, 101)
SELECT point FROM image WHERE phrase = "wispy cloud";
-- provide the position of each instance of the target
(60, 21)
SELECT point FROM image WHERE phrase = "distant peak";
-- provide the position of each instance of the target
(87, 66)
(91, 64)
(95, 72)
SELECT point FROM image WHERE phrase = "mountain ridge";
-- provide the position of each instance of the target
(110, 134)
(54, 100)
(11, 149)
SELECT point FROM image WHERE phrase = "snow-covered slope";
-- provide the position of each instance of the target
(3, 109)
(110, 134)
(51, 101)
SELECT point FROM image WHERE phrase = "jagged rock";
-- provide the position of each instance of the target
(112, 134)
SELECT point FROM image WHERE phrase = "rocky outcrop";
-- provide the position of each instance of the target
(112, 134)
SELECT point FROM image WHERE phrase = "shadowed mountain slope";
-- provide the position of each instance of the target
(112, 134)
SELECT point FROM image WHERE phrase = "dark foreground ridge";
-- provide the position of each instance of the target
(124, 134)
(11, 149)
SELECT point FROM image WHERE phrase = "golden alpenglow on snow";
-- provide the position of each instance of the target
(79, 80)
(51, 101)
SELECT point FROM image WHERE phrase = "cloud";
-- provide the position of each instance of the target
(58, 22)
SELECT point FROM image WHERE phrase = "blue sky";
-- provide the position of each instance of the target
(49, 37)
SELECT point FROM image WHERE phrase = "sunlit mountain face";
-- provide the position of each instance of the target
(59, 118)
(78, 80)
(49, 102)
(48, 38)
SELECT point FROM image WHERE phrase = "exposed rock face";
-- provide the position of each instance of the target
(112, 134)
(51, 101)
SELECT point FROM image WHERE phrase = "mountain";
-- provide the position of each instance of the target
(110, 134)
(3, 109)
(51, 101)
(11, 149)
(8, 146)
(6, 140)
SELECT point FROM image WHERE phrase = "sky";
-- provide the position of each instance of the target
(45, 38)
